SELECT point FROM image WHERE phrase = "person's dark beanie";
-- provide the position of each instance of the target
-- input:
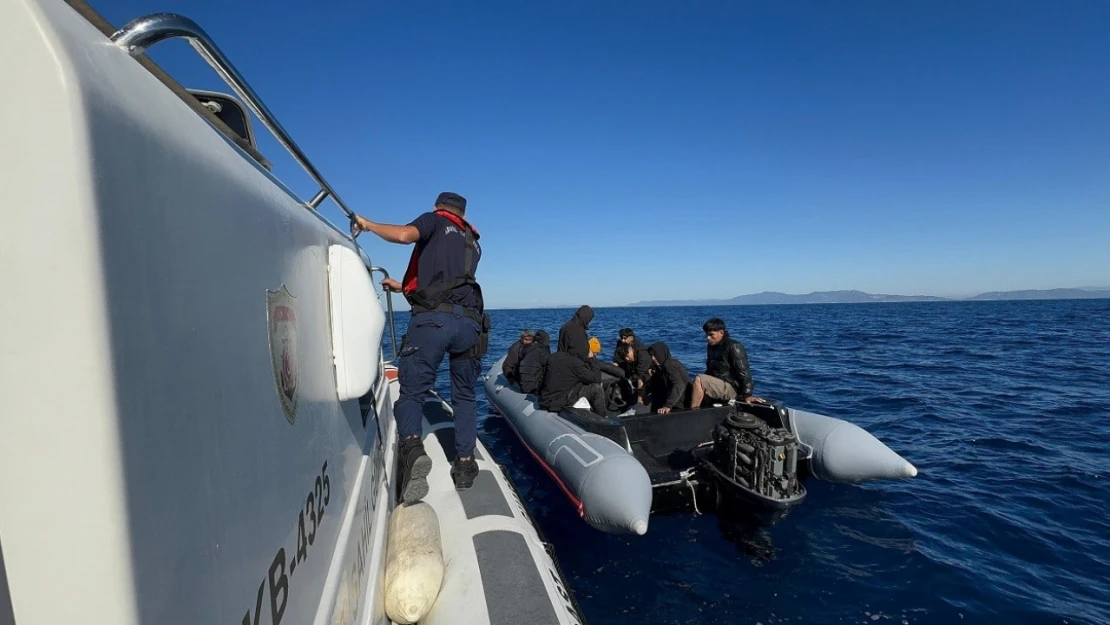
(451, 199)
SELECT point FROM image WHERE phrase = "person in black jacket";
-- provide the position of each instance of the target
(567, 377)
(727, 375)
(509, 367)
(638, 369)
(610, 372)
(625, 358)
(635, 390)
(572, 336)
(532, 363)
(670, 380)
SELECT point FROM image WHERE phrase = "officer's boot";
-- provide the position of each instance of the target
(464, 473)
(415, 467)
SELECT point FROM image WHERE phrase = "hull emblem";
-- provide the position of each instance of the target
(281, 318)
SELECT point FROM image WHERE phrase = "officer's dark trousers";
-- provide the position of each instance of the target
(431, 336)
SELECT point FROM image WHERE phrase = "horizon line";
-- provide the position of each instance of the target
(724, 303)
(729, 301)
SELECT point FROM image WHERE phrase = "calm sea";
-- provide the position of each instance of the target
(1004, 407)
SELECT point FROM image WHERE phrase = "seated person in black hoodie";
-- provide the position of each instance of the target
(638, 369)
(669, 384)
(571, 375)
(516, 352)
(626, 359)
(567, 378)
(532, 363)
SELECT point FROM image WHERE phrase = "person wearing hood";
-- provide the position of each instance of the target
(573, 337)
(727, 375)
(670, 380)
(532, 363)
(509, 366)
(569, 377)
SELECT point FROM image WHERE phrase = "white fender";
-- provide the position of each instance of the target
(357, 322)
(414, 563)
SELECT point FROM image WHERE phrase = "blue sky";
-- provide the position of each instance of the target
(619, 151)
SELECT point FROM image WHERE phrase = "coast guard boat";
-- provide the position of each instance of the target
(197, 411)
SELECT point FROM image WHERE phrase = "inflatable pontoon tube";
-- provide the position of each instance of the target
(609, 487)
(845, 452)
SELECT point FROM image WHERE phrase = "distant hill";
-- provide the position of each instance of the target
(774, 297)
(859, 297)
(1045, 294)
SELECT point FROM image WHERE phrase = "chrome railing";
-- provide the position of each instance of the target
(389, 304)
(144, 32)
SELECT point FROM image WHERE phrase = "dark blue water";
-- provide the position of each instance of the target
(1004, 407)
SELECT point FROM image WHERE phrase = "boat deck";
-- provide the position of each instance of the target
(495, 559)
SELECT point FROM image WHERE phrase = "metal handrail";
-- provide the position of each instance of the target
(143, 32)
(389, 304)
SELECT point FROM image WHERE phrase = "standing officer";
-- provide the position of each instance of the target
(447, 317)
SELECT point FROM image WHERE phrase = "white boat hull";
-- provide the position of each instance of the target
(172, 445)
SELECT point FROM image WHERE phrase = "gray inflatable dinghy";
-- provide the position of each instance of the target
(619, 470)
(605, 482)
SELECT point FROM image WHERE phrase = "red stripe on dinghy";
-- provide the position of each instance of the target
(391, 373)
(546, 467)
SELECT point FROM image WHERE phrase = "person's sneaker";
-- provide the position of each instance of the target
(464, 473)
(415, 467)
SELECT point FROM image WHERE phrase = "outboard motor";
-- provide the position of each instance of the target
(755, 466)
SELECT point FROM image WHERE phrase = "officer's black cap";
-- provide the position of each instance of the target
(451, 199)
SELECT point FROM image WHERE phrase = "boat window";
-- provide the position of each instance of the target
(229, 111)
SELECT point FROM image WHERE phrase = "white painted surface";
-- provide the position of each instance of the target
(148, 471)
(59, 452)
